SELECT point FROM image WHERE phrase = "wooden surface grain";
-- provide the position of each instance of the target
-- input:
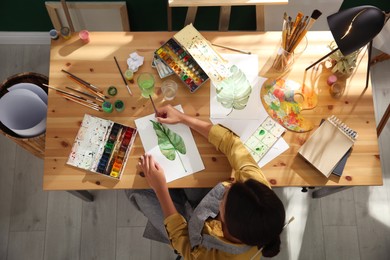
(94, 63)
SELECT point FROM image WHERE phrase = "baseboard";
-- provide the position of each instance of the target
(24, 38)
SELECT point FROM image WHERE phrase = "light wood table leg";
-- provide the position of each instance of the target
(191, 15)
(224, 18)
(82, 194)
(260, 24)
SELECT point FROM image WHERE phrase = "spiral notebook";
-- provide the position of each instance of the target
(328, 144)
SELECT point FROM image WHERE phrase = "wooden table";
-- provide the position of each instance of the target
(94, 63)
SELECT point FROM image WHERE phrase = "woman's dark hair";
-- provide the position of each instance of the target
(255, 215)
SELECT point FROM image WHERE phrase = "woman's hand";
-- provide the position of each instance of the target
(153, 172)
(169, 115)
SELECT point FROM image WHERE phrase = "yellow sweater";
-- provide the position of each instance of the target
(245, 168)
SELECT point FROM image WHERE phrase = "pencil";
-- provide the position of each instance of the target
(123, 77)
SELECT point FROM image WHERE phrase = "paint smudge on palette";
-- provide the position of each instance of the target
(102, 146)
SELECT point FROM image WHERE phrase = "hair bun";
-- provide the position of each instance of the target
(272, 248)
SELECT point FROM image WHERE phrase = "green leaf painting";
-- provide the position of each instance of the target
(234, 92)
(169, 142)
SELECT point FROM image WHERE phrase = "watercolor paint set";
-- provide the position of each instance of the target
(192, 58)
(265, 136)
(183, 64)
(102, 146)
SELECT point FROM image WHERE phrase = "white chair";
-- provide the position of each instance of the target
(92, 16)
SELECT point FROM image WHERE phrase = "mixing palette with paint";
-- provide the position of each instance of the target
(102, 146)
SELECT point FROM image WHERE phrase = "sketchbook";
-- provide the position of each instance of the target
(328, 144)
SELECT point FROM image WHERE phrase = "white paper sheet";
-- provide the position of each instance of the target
(32, 87)
(245, 122)
(23, 112)
(184, 164)
(249, 65)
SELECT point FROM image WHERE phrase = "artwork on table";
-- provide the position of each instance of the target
(265, 136)
(235, 97)
(172, 146)
(102, 146)
(233, 92)
(169, 142)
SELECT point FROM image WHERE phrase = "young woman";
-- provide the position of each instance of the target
(234, 220)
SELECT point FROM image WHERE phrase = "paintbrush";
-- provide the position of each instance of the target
(300, 28)
(232, 49)
(297, 20)
(71, 94)
(98, 94)
(82, 81)
(284, 30)
(86, 94)
(157, 114)
(86, 104)
(314, 16)
(123, 77)
(154, 107)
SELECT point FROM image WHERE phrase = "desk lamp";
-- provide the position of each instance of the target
(353, 28)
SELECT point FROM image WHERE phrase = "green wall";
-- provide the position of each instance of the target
(144, 15)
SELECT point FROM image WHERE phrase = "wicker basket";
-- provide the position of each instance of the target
(34, 145)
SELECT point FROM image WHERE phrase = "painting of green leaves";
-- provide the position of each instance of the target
(169, 142)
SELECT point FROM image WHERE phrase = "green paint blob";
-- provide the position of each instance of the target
(262, 132)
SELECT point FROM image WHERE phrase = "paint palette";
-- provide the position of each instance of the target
(265, 136)
(183, 64)
(193, 58)
(102, 146)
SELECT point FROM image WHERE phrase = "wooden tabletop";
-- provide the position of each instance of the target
(94, 63)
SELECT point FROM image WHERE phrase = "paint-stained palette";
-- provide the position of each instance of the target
(265, 136)
(102, 146)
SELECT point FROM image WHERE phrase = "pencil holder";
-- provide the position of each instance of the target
(285, 55)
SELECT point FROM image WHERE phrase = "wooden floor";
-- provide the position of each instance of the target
(34, 224)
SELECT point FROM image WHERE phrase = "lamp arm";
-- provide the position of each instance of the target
(327, 55)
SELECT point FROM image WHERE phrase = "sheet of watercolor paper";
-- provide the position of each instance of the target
(183, 164)
(248, 64)
(245, 122)
(263, 138)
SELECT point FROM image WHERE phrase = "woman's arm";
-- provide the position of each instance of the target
(222, 138)
(170, 115)
(155, 176)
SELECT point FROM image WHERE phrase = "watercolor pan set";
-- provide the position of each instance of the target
(193, 59)
(183, 64)
(265, 136)
(102, 146)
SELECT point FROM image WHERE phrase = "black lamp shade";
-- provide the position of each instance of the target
(353, 28)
